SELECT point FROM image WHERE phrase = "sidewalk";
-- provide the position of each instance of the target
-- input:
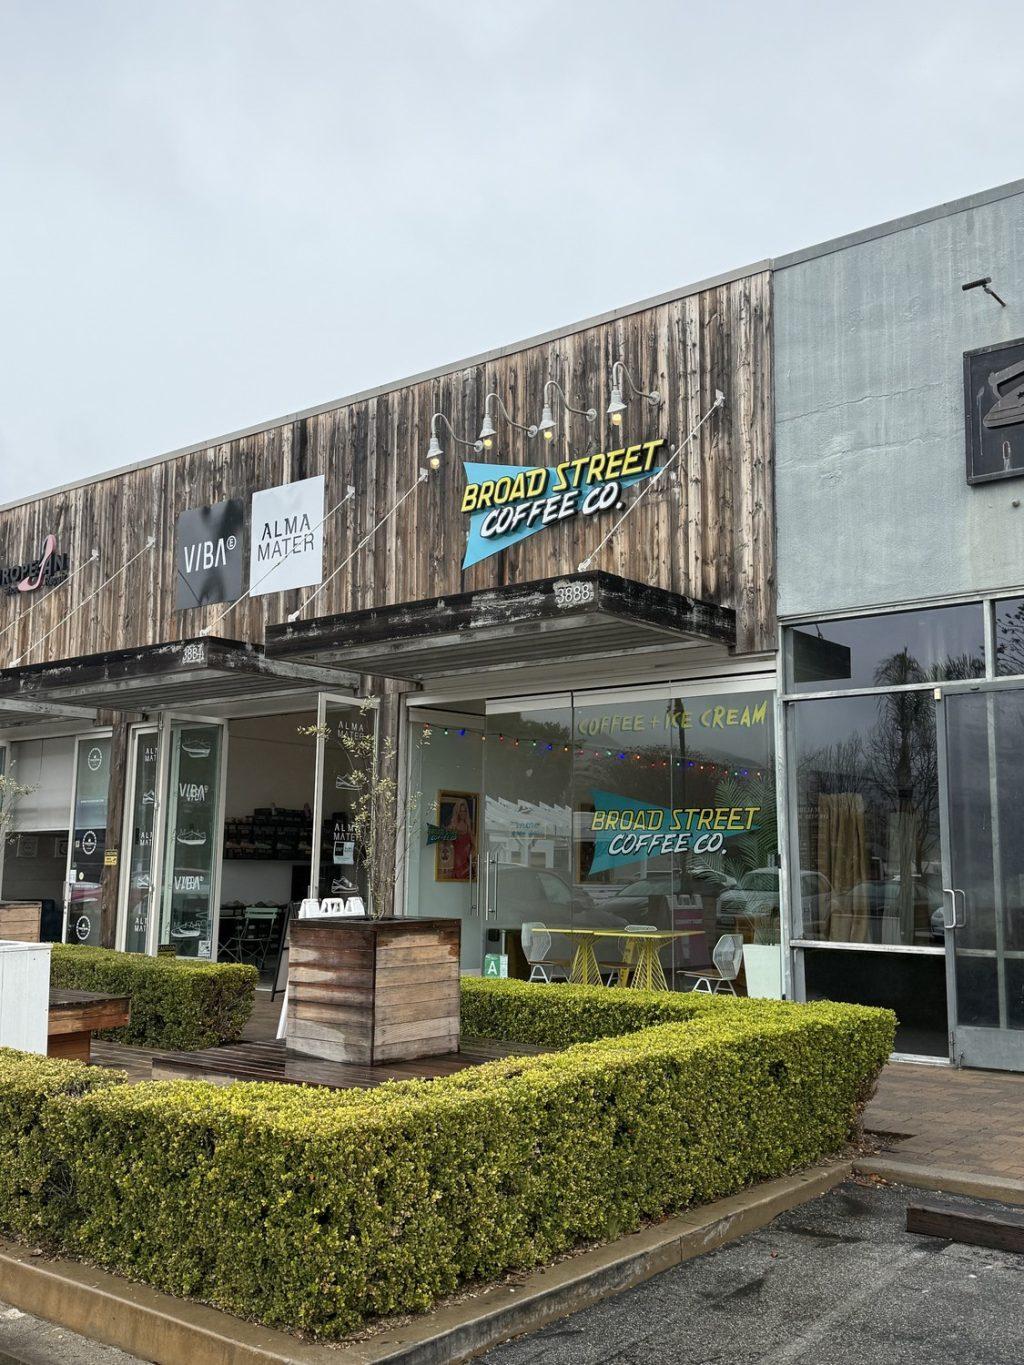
(968, 1122)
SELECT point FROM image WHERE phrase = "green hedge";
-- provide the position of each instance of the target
(177, 1003)
(28, 1085)
(317, 1210)
(560, 1015)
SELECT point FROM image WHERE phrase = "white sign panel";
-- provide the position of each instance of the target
(286, 544)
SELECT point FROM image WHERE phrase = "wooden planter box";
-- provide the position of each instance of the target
(369, 991)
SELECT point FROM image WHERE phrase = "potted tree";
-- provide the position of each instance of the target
(372, 988)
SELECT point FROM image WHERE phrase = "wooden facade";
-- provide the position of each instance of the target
(707, 534)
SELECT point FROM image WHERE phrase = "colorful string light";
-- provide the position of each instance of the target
(621, 756)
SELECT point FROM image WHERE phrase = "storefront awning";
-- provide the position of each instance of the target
(586, 615)
(181, 673)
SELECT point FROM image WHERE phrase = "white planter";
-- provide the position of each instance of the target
(24, 995)
(762, 967)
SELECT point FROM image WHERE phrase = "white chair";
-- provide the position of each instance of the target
(728, 959)
(536, 949)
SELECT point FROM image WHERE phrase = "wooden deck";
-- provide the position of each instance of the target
(273, 1061)
(259, 1057)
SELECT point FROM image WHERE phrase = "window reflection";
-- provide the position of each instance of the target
(1010, 636)
(868, 819)
(894, 648)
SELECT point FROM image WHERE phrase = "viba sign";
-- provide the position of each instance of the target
(508, 503)
(208, 554)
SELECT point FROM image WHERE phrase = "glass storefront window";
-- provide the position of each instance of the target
(868, 820)
(192, 851)
(603, 814)
(887, 650)
(88, 841)
(140, 864)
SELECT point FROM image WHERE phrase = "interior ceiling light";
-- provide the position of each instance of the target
(616, 404)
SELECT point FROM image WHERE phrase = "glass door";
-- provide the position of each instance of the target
(444, 792)
(982, 782)
(190, 881)
(141, 806)
(88, 841)
(527, 873)
(346, 783)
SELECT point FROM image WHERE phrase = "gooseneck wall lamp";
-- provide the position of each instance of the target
(435, 450)
(546, 425)
(616, 403)
(487, 432)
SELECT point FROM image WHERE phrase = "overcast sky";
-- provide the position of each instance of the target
(213, 213)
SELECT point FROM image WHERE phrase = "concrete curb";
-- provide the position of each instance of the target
(168, 1331)
(975, 1183)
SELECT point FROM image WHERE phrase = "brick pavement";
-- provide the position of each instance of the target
(971, 1121)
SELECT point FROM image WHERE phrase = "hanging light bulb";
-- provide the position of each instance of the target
(546, 425)
(616, 406)
(616, 403)
(434, 452)
(487, 432)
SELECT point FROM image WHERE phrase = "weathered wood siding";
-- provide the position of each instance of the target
(708, 534)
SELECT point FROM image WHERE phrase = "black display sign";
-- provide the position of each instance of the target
(209, 554)
(46, 571)
(994, 411)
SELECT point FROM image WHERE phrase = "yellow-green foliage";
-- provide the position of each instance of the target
(28, 1085)
(176, 1002)
(556, 1016)
(315, 1210)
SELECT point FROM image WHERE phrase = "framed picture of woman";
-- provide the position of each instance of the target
(455, 851)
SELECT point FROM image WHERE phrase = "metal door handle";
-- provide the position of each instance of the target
(952, 892)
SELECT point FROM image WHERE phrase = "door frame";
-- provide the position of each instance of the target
(325, 699)
(167, 721)
(103, 732)
(985, 1048)
(135, 735)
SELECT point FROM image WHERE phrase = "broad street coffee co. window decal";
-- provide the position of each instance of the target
(49, 569)
(507, 503)
(994, 411)
(208, 554)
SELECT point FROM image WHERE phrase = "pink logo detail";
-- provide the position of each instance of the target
(30, 584)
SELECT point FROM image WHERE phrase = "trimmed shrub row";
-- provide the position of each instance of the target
(316, 1211)
(176, 1002)
(560, 1015)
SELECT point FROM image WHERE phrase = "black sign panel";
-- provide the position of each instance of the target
(994, 412)
(209, 554)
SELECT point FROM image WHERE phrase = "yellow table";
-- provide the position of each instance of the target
(642, 949)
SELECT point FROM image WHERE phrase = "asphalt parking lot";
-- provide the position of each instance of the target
(835, 1282)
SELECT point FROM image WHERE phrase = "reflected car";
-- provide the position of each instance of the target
(646, 900)
(757, 896)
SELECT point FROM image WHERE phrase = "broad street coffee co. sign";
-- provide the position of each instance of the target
(47, 571)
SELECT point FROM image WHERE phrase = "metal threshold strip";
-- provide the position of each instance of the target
(552, 620)
(180, 673)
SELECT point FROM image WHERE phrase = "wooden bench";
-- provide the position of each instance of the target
(76, 1015)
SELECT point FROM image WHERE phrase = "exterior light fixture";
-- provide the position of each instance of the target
(487, 432)
(435, 451)
(616, 403)
(546, 425)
